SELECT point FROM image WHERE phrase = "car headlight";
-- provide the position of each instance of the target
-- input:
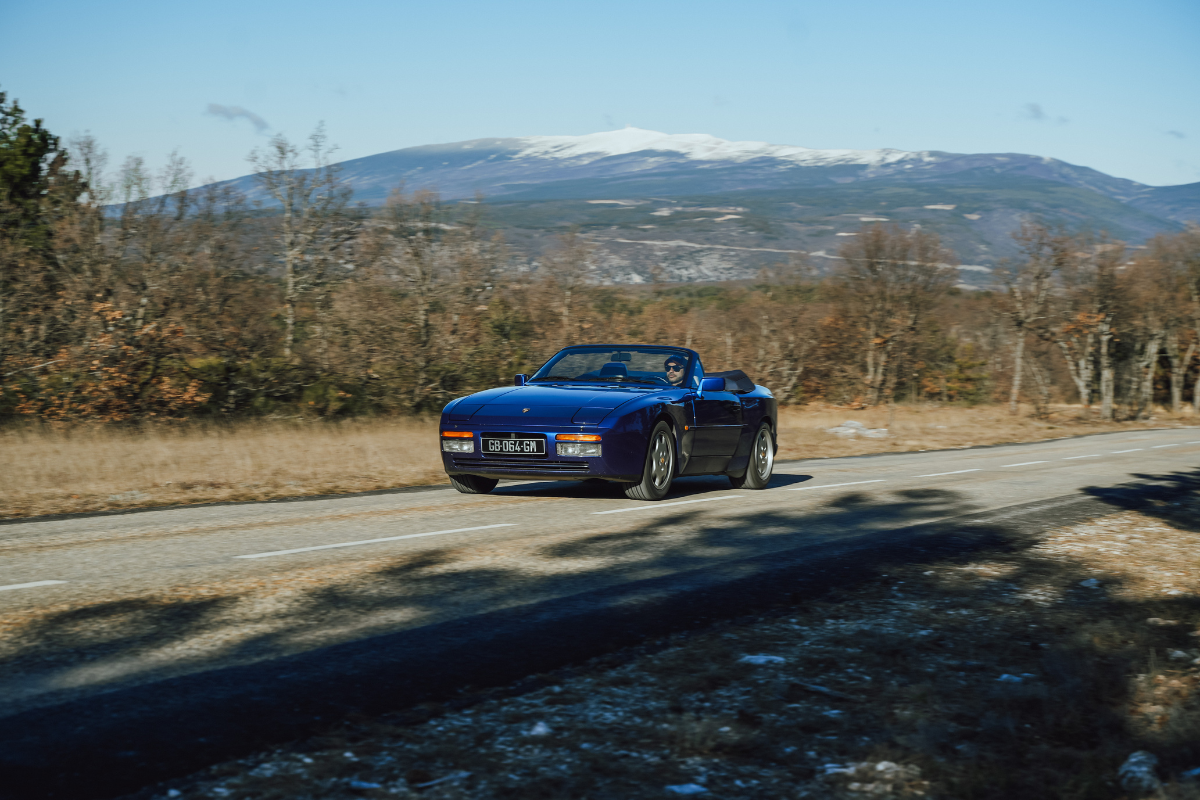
(458, 445)
(578, 448)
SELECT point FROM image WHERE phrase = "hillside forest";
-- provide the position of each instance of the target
(133, 297)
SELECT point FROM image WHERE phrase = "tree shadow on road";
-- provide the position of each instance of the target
(681, 488)
(480, 617)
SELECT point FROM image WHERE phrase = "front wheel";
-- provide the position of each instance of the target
(762, 462)
(473, 484)
(659, 469)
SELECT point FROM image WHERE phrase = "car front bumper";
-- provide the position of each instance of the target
(623, 455)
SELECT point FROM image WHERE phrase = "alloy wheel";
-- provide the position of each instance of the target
(664, 461)
(764, 454)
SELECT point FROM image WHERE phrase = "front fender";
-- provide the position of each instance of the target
(628, 433)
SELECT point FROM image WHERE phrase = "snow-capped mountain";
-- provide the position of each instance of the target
(638, 162)
(696, 147)
(695, 207)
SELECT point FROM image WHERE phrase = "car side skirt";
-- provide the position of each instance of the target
(533, 475)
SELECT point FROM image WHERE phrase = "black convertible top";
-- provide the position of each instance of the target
(735, 380)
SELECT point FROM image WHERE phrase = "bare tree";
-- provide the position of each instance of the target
(1076, 336)
(784, 340)
(1041, 404)
(1150, 321)
(1086, 324)
(1180, 257)
(1028, 287)
(443, 267)
(890, 279)
(1105, 259)
(568, 264)
(91, 160)
(311, 200)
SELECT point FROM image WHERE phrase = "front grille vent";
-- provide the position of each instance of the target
(494, 464)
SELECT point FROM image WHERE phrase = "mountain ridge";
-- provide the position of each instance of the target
(497, 167)
(795, 199)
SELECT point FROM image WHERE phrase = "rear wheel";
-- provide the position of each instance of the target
(473, 484)
(762, 462)
(659, 469)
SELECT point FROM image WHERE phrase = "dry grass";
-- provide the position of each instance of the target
(86, 469)
(49, 471)
(802, 430)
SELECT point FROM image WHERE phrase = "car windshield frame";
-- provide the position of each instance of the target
(545, 372)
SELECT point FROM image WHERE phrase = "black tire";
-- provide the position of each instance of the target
(659, 469)
(473, 484)
(762, 462)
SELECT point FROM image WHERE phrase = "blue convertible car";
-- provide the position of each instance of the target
(639, 415)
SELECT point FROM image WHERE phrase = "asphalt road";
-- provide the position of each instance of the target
(134, 646)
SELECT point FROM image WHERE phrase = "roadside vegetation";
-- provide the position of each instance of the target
(127, 297)
(1032, 672)
(51, 469)
(161, 344)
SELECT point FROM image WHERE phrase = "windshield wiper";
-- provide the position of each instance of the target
(597, 379)
(627, 379)
(570, 378)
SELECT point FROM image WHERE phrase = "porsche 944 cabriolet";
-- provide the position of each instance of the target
(637, 415)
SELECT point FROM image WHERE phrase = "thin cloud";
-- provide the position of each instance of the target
(1177, 134)
(234, 113)
(1035, 113)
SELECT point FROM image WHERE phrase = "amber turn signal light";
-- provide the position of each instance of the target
(577, 437)
(457, 434)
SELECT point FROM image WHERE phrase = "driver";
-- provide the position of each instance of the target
(675, 367)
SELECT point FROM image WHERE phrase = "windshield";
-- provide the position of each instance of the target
(652, 366)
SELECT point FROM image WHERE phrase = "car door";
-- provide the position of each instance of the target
(718, 428)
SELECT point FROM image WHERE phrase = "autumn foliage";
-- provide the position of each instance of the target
(138, 298)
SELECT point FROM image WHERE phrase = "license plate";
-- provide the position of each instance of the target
(514, 446)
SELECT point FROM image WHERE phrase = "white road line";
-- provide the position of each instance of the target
(1024, 464)
(956, 472)
(375, 541)
(1163, 445)
(832, 485)
(652, 506)
(1134, 450)
(1191, 442)
(1072, 458)
(28, 585)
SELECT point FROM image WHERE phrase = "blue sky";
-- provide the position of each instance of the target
(1110, 85)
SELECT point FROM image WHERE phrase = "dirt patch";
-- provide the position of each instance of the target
(1034, 673)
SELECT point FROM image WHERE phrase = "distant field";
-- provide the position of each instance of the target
(974, 219)
(48, 471)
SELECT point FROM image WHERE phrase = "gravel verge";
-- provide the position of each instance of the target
(1034, 672)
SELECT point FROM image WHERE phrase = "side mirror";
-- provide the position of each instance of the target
(712, 385)
(520, 379)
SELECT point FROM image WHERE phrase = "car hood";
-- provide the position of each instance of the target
(533, 404)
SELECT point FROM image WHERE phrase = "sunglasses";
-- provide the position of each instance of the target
(674, 368)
